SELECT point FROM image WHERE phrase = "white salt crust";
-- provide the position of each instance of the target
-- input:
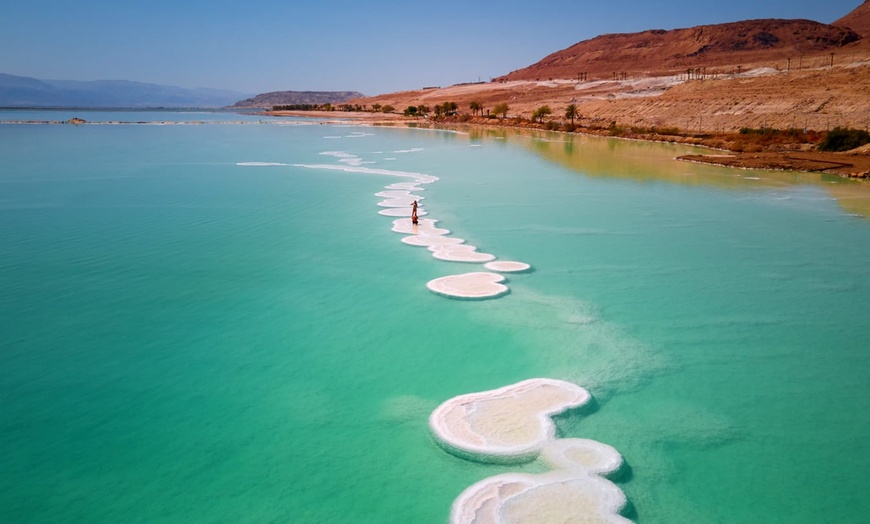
(459, 253)
(507, 266)
(403, 211)
(582, 454)
(512, 422)
(431, 240)
(394, 193)
(425, 227)
(478, 285)
(554, 497)
(407, 186)
(399, 202)
(418, 177)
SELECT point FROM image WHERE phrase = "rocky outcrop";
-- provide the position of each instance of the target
(279, 98)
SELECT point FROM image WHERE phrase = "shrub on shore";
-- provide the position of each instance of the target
(844, 139)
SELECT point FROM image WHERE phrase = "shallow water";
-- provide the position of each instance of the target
(187, 338)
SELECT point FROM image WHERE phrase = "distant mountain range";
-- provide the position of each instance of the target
(21, 91)
(279, 98)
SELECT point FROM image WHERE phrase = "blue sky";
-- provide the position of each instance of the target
(373, 46)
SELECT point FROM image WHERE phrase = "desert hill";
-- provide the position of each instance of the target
(858, 20)
(725, 47)
(277, 98)
(825, 84)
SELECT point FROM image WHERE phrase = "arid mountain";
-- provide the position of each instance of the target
(858, 20)
(721, 47)
(825, 83)
(276, 98)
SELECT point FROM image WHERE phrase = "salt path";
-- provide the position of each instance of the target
(513, 423)
(401, 212)
(406, 186)
(507, 266)
(431, 240)
(460, 253)
(554, 497)
(476, 285)
(425, 227)
(398, 198)
(509, 424)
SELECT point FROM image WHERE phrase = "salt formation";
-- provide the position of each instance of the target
(425, 227)
(406, 186)
(397, 198)
(460, 253)
(477, 285)
(507, 266)
(511, 424)
(583, 454)
(401, 212)
(431, 240)
(554, 497)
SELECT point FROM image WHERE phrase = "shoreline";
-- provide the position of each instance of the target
(843, 164)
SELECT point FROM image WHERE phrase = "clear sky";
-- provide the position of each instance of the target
(371, 46)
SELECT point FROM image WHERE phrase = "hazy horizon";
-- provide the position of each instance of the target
(336, 45)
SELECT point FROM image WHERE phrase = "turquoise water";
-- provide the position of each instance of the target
(189, 339)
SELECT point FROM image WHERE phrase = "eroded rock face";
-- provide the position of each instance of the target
(750, 41)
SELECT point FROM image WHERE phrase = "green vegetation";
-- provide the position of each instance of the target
(572, 112)
(540, 113)
(501, 109)
(844, 139)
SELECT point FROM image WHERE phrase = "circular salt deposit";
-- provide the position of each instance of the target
(403, 211)
(425, 227)
(580, 454)
(509, 424)
(459, 253)
(478, 285)
(397, 202)
(398, 194)
(550, 497)
(431, 240)
(507, 266)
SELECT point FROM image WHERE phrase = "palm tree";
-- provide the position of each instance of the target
(475, 107)
(572, 112)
